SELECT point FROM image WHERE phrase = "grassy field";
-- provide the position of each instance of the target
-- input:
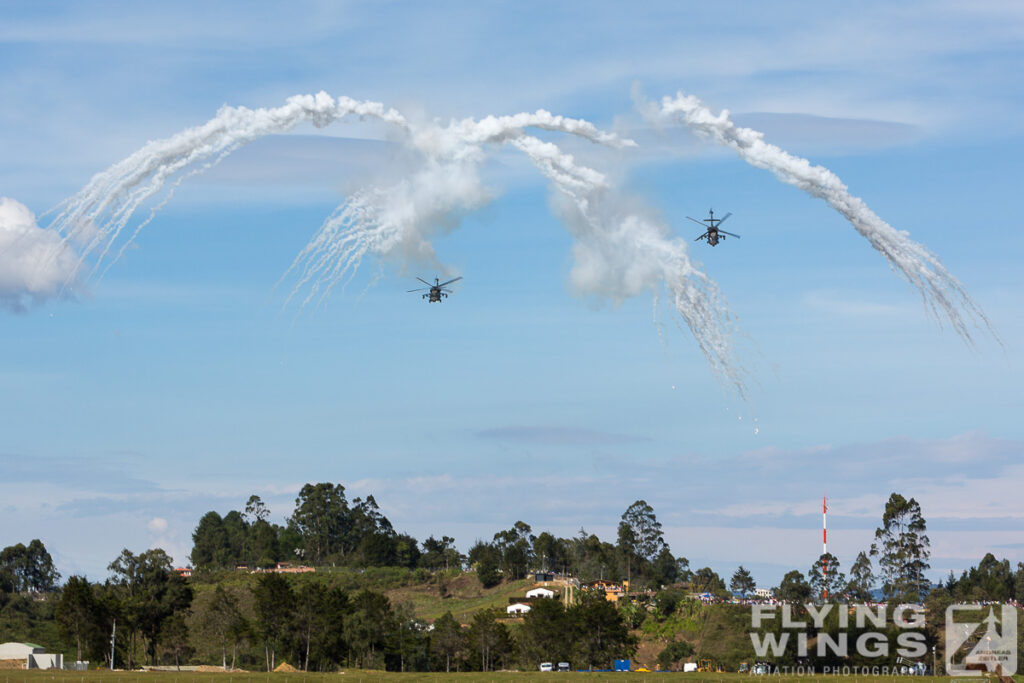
(358, 676)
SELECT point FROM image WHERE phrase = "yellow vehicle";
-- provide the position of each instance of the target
(707, 666)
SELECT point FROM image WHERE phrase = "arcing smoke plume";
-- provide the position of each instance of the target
(618, 253)
(940, 291)
(98, 213)
(398, 221)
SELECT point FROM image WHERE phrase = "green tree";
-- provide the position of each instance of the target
(550, 552)
(639, 536)
(261, 541)
(218, 619)
(365, 518)
(448, 640)
(862, 579)
(543, 633)
(1019, 584)
(992, 580)
(321, 518)
(209, 542)
(485, 558)
(667, 601)
(902, 548)
(601, 633)
(309, 617)
(832, 583)
(149, 592)
(516, 548)
(665, 568)
(742, 582)
(706, 580)
(439, 554)
(76, 613)
(333, 645)
(28, 568)
(488, 639)
(793, 588)
(236, 532)
(592, 558)
(256, 510)
(274, 605)
(174, 637)
(408, 641)
(407, 551)
(369, 622)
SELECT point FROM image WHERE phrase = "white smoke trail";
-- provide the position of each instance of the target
(398, 221)
(618, 254)
(941, 292)
(96, 215)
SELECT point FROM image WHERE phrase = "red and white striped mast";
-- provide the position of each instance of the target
(824, 546)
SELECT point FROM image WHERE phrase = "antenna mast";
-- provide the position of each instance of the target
(824, 547)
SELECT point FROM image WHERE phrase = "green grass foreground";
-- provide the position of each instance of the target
(359, 676)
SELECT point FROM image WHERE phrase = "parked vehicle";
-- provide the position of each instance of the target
(546, 666)
(564, 666)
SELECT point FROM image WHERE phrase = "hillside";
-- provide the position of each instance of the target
(461, 595)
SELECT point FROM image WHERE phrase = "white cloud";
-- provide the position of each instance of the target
(157, 525)
(35, 265)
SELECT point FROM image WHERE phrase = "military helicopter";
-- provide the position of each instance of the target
(436, 291)
(713, 234)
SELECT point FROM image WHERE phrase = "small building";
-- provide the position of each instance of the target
(540, 592)
(183, 572)
(612, 591)
(34, 656)
(45, 661)
(517, 609)
(543, 577)
(20, 650)
(763, 593)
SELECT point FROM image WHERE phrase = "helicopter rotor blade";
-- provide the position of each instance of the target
(424, 282)
(722, 219)
(421, 289)
(698, 222)
(701, 237)
(729, 233)
(450, 281)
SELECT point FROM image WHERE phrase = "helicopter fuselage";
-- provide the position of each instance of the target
(437, 291)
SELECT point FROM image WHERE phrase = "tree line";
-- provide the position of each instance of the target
(319, 622)
(325, 528)
(313, 624)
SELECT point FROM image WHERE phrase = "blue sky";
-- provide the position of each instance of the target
(180, 382)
